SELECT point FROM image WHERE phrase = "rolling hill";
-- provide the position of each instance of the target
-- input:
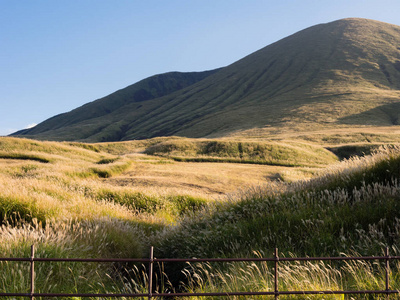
(339, 74)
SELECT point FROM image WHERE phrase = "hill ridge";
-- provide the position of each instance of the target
(329, 74)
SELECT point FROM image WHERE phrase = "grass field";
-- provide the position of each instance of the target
(117, 199)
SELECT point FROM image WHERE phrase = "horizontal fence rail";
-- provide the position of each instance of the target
(152, 260)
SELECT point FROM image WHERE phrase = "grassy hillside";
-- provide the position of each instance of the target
(95, 118)
(100, 200)
(352, 206)
(51, 180)
(269, 153)
(334, 75)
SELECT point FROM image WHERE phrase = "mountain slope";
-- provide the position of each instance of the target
(147, 89)
(336, 74)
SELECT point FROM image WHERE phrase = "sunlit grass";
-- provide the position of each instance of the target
(356, 275)
(66, 209)
(353, 206)
(99, 238)
(268, 153)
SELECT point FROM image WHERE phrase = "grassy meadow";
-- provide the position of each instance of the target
(200, 198)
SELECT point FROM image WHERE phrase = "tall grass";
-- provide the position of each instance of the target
(67, 209)
(69, 187)
(356, 275)
(92, 239)
(167, 206)
(346, 209)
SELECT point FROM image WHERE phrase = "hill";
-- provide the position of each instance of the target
(332, 75)
(98, 112)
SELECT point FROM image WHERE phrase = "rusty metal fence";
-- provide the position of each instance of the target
(152, 260)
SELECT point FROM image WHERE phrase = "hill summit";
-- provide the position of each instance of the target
(338, 74)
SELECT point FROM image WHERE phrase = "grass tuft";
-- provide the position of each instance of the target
(22, 156)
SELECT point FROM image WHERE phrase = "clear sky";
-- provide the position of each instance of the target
(56, 55)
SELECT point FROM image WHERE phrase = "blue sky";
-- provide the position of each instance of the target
(56, 55)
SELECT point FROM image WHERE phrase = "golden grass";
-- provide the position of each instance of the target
(67, 203)
(293, 276)
(69, 185)
(56, 189)
(282, 153)
(200, 179)
(326, 135)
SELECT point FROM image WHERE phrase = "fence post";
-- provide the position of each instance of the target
(32, 272)
(387, 271)
(151, 272)
(276, 273)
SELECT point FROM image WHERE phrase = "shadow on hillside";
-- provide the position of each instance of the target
(387, 114)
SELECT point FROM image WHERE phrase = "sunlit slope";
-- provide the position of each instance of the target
(351, 206)
(88, 182)
(344, 72)
(336, 74)
(283, 153)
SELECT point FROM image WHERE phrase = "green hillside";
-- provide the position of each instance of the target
(94, 117)
(338, 74)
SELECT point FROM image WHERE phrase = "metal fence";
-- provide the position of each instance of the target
(152, 260)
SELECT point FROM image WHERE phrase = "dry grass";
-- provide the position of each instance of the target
(211, 180)
(294, 276)
(70, 184)
(281, 153)
(326, 135)
(86, 202)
